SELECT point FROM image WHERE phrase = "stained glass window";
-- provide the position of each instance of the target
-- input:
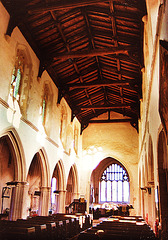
(43, 110)
(16, 77)
(114, 185)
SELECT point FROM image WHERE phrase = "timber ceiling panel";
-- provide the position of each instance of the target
(92, 49)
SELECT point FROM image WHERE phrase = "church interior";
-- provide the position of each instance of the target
(84, 115)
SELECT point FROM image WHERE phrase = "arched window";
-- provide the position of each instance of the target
(53, 188)
(46, 110)
(114, 184)
(16, 77)
(44, 107)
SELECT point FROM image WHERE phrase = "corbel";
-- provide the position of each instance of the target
(60, 95)
(72, 115)
(41, 69)
(83, 127)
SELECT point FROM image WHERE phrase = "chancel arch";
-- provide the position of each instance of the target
(162, 177)
(72, 185)
(58, 189)
(12, 174)
(39, 186)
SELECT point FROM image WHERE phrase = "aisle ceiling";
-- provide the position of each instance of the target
(92, 49)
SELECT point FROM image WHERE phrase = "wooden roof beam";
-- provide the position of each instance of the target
(98, 84)
(67, 4)
(111, 120)
(113, 106)
(93, 53)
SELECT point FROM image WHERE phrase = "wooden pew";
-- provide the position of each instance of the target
(13, 231)
(120, 230)
(40, 229)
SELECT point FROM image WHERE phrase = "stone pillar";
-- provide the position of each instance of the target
(61, 201)
(45, 199)
(17, 199)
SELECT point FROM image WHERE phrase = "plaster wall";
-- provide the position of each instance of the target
(29, 136)
(150, 123)
(119, 141)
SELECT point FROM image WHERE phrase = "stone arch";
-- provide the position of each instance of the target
(163, 188)
(72, 185)
(58, 190)
(14, 171)
(39, 184)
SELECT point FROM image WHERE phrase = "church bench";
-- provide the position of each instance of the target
(17, 233)
(50, 226)
(40, 229)
(72, 225)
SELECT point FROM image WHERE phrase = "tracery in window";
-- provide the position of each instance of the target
(114, 184)
(14, 112)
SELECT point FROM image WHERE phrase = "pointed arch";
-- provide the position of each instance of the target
(15, 172)
(72, 185)
(100, 176)
(17, 149)
(39, 183)
(163, 183)
(45, 167)
(58, 188)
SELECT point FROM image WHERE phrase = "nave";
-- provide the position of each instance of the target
(72, 227)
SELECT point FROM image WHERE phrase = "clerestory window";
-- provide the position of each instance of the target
(16, 77)
(114, 185)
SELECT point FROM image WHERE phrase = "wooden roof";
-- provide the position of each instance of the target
(92, 49)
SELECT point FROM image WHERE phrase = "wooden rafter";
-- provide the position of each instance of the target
(113, 106)
(91, 40)
(68, 49)
(122, 120)
(98, 84)
(92, 49)
(93, 53)
(61, 5)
